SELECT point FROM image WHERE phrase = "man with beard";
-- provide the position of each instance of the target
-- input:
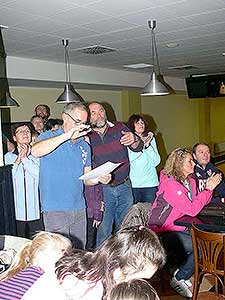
(109, 142)
(65, 156)
(43, 111)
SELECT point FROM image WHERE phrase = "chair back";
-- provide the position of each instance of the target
(209, 255)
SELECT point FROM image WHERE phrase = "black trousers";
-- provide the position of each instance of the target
(91, 235)
(27, 229)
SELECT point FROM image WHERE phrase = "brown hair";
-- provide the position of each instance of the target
(134, 119)
(198, 144)
(46, 107)
(135, 289)
(130, 249)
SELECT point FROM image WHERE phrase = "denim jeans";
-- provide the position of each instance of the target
(179, 244)
(146, 194)
(118, 200)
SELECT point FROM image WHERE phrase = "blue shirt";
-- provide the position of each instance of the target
(143, 166)
(25, 186)
(60, 188)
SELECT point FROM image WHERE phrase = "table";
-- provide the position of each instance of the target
(211, 218)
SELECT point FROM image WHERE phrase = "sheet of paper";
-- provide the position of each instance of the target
(104, 169)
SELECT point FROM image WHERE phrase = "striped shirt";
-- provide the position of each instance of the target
(107, 147)
(15, 287)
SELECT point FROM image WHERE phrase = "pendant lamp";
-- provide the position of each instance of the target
(69, 94)
(5, 98)
(154, 87)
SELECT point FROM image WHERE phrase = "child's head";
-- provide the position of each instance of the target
(43, 251)
(135, 289)
(133, 252)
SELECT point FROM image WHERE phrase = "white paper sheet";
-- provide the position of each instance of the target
(104, 169)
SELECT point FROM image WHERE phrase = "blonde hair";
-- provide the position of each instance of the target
(174, 163)
(31, 249)
(135, 289)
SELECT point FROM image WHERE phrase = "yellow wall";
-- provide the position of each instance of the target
(28, 98)
(174, 119)
(217, 115)
(130, 103)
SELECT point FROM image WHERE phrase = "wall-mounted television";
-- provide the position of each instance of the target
(205, 86)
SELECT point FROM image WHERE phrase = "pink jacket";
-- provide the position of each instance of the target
(172, 202)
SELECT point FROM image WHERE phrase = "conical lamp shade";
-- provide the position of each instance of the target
(69, 95)
(154, 88)
(8, 101)
(161, 79)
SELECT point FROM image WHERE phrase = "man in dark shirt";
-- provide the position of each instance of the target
(204, 169)
(109, 142)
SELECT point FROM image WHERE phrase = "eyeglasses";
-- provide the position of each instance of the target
(76, 121)
(22, 131)
(140, 122)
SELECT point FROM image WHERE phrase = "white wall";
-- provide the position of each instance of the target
(23, 68)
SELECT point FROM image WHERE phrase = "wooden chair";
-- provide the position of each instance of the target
(209, 258)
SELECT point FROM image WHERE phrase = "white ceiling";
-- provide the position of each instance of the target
(36, 28)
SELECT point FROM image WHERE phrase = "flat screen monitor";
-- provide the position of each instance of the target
(205, 86)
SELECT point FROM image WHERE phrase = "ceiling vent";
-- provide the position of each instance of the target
(183, 67)
(96, 50)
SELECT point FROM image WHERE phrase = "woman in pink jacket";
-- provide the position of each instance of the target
(177, 196)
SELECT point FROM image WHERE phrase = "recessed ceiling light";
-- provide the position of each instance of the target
(223, 53)
(138, 66)
(182, 67)
(172, 45)
(4, 26)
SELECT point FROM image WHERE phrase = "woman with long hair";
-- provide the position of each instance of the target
(143, 174)
(178, 196)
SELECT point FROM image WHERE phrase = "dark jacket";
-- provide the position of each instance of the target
(94, 201)
(201, 176)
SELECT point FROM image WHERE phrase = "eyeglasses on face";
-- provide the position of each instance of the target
(140, 122)
(22, 131)
(76, 121)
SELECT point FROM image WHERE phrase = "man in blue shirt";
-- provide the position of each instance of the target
(65, 156)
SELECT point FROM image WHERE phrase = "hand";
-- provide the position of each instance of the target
(105, 179)
(102, 206)
(147, 139)
(213, 181)
(96, 223)
(78, 131)
(24, 151)
(127, 139)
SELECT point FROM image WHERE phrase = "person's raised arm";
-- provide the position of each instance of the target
(132, 141)
(44, 147)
